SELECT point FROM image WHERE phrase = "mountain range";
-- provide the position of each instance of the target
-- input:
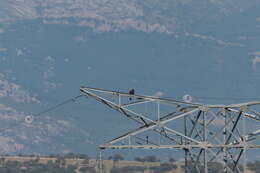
(48, 49)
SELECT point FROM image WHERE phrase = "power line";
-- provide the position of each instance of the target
(227, 98)
(220, 98)
(73, 99)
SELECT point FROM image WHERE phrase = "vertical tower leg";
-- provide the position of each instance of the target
(225, 155)
(100, 162)
(185, 142)
(205, 142)
(244, 157)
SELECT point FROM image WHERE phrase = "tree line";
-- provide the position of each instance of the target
(59, 165)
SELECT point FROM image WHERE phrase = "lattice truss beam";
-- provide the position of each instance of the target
(206, 133)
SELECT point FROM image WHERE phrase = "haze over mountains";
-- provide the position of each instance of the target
(49, 48)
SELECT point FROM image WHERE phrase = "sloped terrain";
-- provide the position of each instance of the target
(49, 48)
(118, 15)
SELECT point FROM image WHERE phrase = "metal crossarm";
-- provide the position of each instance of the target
(206, 133)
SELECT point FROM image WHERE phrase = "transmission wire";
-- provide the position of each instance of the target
(73, 99)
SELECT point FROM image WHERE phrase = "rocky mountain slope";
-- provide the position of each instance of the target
(49, 48)
(117, 15)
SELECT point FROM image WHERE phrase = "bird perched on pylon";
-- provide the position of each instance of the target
(131, 92)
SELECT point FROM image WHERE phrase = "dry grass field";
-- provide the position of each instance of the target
(108, 165)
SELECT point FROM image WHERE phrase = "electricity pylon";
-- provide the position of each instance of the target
(208, 134)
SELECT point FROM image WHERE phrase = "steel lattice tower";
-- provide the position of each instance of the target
(208, 134)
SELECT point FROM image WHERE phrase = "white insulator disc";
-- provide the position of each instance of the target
(28, 119)
(187, 98)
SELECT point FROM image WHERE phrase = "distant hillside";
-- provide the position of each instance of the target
(48, 49)
(118, 15)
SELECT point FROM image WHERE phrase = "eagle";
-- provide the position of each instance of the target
(131, 92)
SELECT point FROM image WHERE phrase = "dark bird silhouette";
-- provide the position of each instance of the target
(131, 92)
